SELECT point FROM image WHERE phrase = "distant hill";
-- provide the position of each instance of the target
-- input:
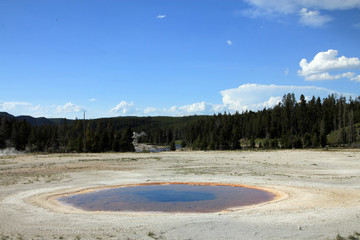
(5, 114)
(59, 120)
(33, 121)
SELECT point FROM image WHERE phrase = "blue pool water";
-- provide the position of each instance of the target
(168, 198)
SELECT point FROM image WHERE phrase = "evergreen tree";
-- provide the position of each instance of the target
(267, 142)
(172, 145)
(89, 145)
(63, 135)
(32, 142)
(79, 144)
(196, 143)
(116, 142)
(352, 131)
(203, 144)
(315, 140)
(183, 143)
(212, 145)
(307, 140)
(252, 142)
(126, 140)
(236, 138)
(274, 144)
(3, 135)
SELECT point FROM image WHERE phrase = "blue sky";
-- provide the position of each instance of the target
(173, 57)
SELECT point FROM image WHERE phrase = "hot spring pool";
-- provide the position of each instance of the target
(173, 197)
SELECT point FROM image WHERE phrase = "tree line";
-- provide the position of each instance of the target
(68, 136)
(290, 124)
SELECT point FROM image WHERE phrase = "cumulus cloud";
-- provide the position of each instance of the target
(9, 106)
(195, 107)
(92, 100)
(150, 110)
(200, 108)
(69, 108)
(123, 108)
(269, 6)
(356, 78)
(291, 6)
(313, 18)
(327, 76)
(229, 42)
(269, 103)
(160, 16)
(325, 62)
(21, 108)
(256, 96)
(25, 108)
(245, 97)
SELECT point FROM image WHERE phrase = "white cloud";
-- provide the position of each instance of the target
(256, 96)
(268, 6)
(194, 108)
(9, 106)
(229, 42)
(313, 18)
(216, 108)
(69, 108)
(26, 108)
(291, 6)
(325, 62)
(123, 108)
(246, 97)
(150, 110)
(200, 108)
(22, 108)
(161, 16)
(356, 78)
(269, 103)
(173, 109)
(310, 17)
(327, 76)
(92, 100)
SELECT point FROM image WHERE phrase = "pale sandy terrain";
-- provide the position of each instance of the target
(319, 195)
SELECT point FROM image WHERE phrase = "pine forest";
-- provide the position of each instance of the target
(333, 121)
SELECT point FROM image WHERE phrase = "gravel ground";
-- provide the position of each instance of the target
(318, 194)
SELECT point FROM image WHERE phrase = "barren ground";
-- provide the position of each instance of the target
(319, 195)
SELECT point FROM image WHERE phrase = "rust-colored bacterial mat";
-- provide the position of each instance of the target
(168, 198)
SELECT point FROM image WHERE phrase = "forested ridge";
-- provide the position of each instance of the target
(293, 123)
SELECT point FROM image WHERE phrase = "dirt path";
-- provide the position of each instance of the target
(320, 195)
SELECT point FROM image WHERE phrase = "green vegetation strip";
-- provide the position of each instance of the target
(355, 236)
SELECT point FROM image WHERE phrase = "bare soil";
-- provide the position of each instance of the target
(318, 194)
